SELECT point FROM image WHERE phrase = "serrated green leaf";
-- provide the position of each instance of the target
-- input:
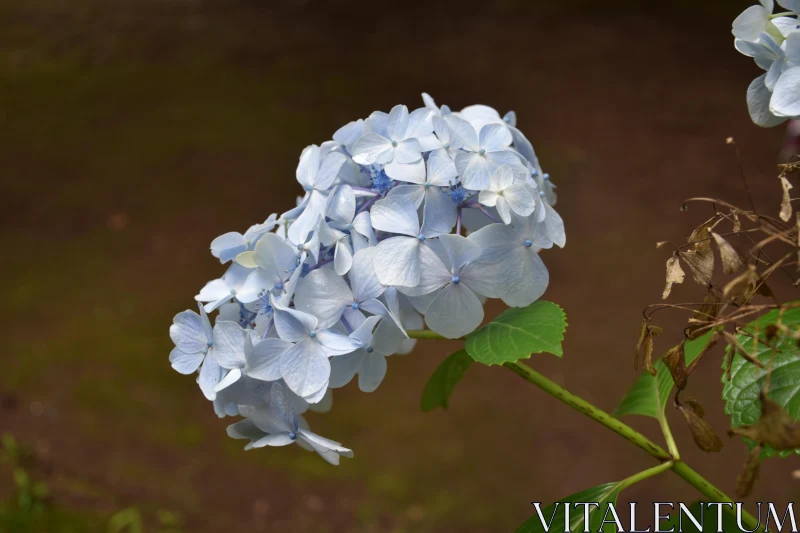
(601, 494)
(519, 332)
(649, 395)
(444, 380)
(707, 518)
(747, 380)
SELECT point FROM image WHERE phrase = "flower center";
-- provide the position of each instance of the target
(420, 237)
(308, 188)
(233, 292)
(446, 146)
(312, 333)
(427, 185)
(394, 144)
(370, 349)
(481, 152)
(541, 194)
(355, 306)
(456, 280)
(528, 243)
(292, 435)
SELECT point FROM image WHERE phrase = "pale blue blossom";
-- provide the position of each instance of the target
(229, 245)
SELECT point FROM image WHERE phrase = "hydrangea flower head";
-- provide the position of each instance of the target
(406, 219)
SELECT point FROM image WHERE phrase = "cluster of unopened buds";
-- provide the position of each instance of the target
(326, 291)
(773, 41)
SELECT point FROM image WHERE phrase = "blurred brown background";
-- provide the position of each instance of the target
(135, 131)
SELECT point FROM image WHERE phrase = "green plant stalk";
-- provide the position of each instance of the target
(665, 430)
(644, 474)
(620, 428)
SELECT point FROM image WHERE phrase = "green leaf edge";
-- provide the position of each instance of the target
(434, 396)
(558, 351)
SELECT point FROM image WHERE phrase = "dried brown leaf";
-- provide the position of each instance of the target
(675, 274)
(737, 225)
(741, 289)
(703, 434)
(675, 359)
(786, 201)
(705, 315)
(700, 257)
(645, 345)
(749, 474)
(731, 260)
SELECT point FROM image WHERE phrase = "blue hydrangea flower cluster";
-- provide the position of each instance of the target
(773, 41)
(408, 219)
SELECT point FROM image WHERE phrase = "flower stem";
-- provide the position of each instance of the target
(668, 461)
(644, 474)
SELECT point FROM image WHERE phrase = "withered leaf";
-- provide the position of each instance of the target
(731, 260)
(700, 257)
(645, 345)
(749, 475)
(706, 314)
(742, 288)
(737, 225)
(675, 359)
(702, 433)
(675, 274)
(775, 427)
(786, 202)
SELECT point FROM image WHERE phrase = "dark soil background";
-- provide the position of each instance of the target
(134, 132)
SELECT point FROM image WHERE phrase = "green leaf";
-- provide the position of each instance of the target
(601, 494)
(649, 395)
(519, 332)
(444, 380)
(747, 380)
(707, 518)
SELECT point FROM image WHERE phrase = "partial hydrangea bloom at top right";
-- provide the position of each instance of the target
(773, 41)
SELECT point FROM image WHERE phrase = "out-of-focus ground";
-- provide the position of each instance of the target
(134, 132)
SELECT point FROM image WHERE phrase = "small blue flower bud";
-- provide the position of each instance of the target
(355, 306)
(420, 237)
(292, 435)
(456, 280)
(370, 349)
(481, 152)
(312, 333)
(528, 243)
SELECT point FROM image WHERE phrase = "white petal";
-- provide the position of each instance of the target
(549, 232)
(758, 104)
(774, 72)
(415, 193)
(227, 246)
(230, 378)
(363, 225)
(750, 23)
(324, 294)
(407, 172)
(440, 212)
(264, 361)
(371, 372)
(459, 250)
(474, 170)
(341, 204)
(328, 170)
(274, 439)
(455, 312)
(481, 278)
(408, 151)
(493, 136)
(336, 343)
(363, 335)
(433, 273)
(785, 100)
(305, 367)
(523, 278)
(363, 280)
(463, 132)
(229, 344)
(373, 148)
(210, 374)
(257, 282)
(275, 256)
(398, 123)
(292, 325)
(308, 220)
(327, 443)
(187, 332)
(185, 363)
(308, 166)
(214, 290)
(520, 199)
(317, 396)
(396, 261)
(496, 242)
(441, 169)
(342, 258)
(344, 367)
(395, 215)
(420, 123)
(791, 5)
(488, 197)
